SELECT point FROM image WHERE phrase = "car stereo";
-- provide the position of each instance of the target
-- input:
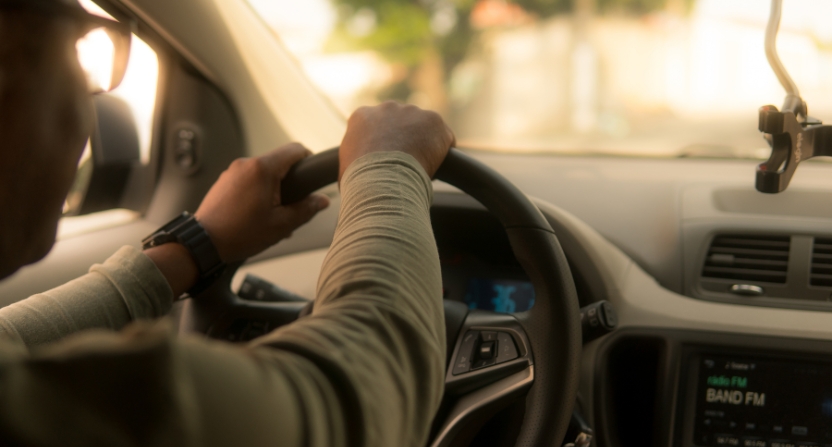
(762, 401)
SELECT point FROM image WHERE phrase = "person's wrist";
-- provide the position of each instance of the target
(192, 247)
(176, 264)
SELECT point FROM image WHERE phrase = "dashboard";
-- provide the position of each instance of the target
(498, 295)
(637, 233)
(478, 266)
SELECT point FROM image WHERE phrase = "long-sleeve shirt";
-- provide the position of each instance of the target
(366, 368)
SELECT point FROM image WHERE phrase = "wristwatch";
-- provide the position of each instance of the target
(186, 230)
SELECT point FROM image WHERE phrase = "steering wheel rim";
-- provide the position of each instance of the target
(550, 329)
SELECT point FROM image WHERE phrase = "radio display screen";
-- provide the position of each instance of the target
(760, 402)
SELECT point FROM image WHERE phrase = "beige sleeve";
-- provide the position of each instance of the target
(377, 329)
(365, 369)
(125, 288)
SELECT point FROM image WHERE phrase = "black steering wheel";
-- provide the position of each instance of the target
(493, 358)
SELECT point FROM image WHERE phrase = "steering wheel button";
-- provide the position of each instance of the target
(507, 350)
(488, 336)
(486, 350)
(462, 363)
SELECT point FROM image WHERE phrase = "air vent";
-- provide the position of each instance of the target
(749, 258)
(821, 263)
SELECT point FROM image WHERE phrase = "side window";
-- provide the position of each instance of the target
(135, 98)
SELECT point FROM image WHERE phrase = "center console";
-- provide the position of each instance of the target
(663, 388)
(734, 398)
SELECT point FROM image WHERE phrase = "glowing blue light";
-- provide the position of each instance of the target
(503, 302)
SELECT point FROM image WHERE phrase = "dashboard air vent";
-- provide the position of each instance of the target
(749, 258)
(821, 263)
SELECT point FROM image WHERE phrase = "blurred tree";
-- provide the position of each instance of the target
(631, 6)
(545, 8)
(638, 7)
(398, 29)
(426, 39)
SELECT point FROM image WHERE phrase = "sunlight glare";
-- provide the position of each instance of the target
(137, 89)
(96, 54)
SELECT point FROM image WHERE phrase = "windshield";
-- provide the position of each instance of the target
(630, 77)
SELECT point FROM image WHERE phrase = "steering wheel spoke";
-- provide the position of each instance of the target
(490, 346)
(491, 365)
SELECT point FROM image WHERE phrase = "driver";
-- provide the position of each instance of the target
(93, 362)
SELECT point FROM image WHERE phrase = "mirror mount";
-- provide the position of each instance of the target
(793, 135)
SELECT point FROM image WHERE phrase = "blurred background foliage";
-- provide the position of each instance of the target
(643, 77)
(426, 39)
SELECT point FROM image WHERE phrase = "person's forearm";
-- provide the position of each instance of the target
(377, 323)
(124, 288)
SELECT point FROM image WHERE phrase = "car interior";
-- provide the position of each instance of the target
(604, 285)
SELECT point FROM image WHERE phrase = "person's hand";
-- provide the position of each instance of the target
(395, 127)
(242, 212)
